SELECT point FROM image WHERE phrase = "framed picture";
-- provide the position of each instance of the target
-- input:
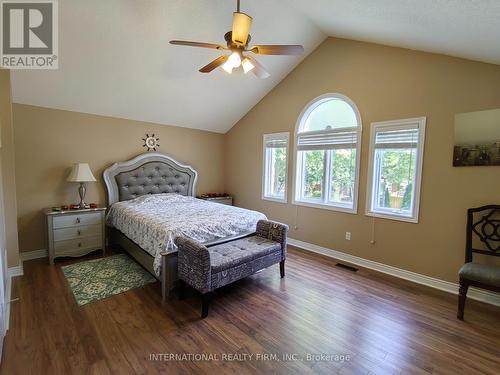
(477, 139)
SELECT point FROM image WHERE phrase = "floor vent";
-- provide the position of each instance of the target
(346, 267)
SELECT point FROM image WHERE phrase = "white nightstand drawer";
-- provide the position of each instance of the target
(77, 219)
(77, 232)
(68, 247)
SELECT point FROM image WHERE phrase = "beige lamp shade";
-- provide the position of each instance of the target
(81, 173)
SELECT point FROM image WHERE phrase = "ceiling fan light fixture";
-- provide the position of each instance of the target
(247, 65)
(227, 67)
(241, 28)
(234, 60)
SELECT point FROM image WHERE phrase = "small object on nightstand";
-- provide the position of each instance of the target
(222, 198)
(73, 233)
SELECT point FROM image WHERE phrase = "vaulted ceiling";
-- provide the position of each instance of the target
(115, 60)
(462, 28)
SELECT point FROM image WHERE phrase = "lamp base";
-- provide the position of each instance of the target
(82, 190)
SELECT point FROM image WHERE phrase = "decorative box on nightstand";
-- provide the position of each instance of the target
(224, 199)
(74, 233)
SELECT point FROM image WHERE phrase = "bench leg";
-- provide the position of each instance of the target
(282, 269)
(164, 292)
(206, 298)
(462, 295)
(181, 289)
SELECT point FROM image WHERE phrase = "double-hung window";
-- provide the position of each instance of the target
(395, 169)
(275, 176)
(327, 145)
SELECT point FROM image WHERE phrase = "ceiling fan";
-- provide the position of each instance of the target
(237, 42)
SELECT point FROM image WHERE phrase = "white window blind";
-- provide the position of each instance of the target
(327, 141)
(394, 139)
(276, 142)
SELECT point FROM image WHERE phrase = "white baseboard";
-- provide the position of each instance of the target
(15, 271)
(34, 254)
(11, 272)
(476, 294)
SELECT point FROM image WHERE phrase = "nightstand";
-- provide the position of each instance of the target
(227, 200)
(74, 233)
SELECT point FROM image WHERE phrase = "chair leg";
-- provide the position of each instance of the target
(206, 298)
(282, 268)
(462, 295)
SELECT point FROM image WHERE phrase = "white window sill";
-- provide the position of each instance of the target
(396, 217)
(275, 199)
(323, 206)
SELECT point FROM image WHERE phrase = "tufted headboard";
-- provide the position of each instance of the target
(151, 173)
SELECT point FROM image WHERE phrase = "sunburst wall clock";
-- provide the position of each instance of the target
(151, 142)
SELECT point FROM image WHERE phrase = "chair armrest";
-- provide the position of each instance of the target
(274, 231)
(194, 263)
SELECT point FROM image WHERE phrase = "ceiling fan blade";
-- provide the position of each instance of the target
(283, 49)
(258, 69)
(241, 28)
(214, 64)
(196, 44)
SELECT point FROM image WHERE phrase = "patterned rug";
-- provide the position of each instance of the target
(96, 279)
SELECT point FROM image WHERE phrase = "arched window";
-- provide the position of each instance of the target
(327, 151)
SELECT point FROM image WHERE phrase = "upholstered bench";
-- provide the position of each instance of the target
(208, 268)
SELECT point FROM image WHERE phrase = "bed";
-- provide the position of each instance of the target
(153, 194)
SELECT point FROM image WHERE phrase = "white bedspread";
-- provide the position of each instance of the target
(146, 221)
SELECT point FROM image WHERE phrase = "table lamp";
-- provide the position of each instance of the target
(81, 173)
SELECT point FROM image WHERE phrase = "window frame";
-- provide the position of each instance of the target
(409, 123)
(297, 187)
(265, 138)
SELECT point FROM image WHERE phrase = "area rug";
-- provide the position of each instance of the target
(93, 280)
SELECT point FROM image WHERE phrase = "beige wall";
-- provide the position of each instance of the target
(7, 166)
(49, 141)
(386, 83)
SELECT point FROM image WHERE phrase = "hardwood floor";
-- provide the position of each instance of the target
(382, 324)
